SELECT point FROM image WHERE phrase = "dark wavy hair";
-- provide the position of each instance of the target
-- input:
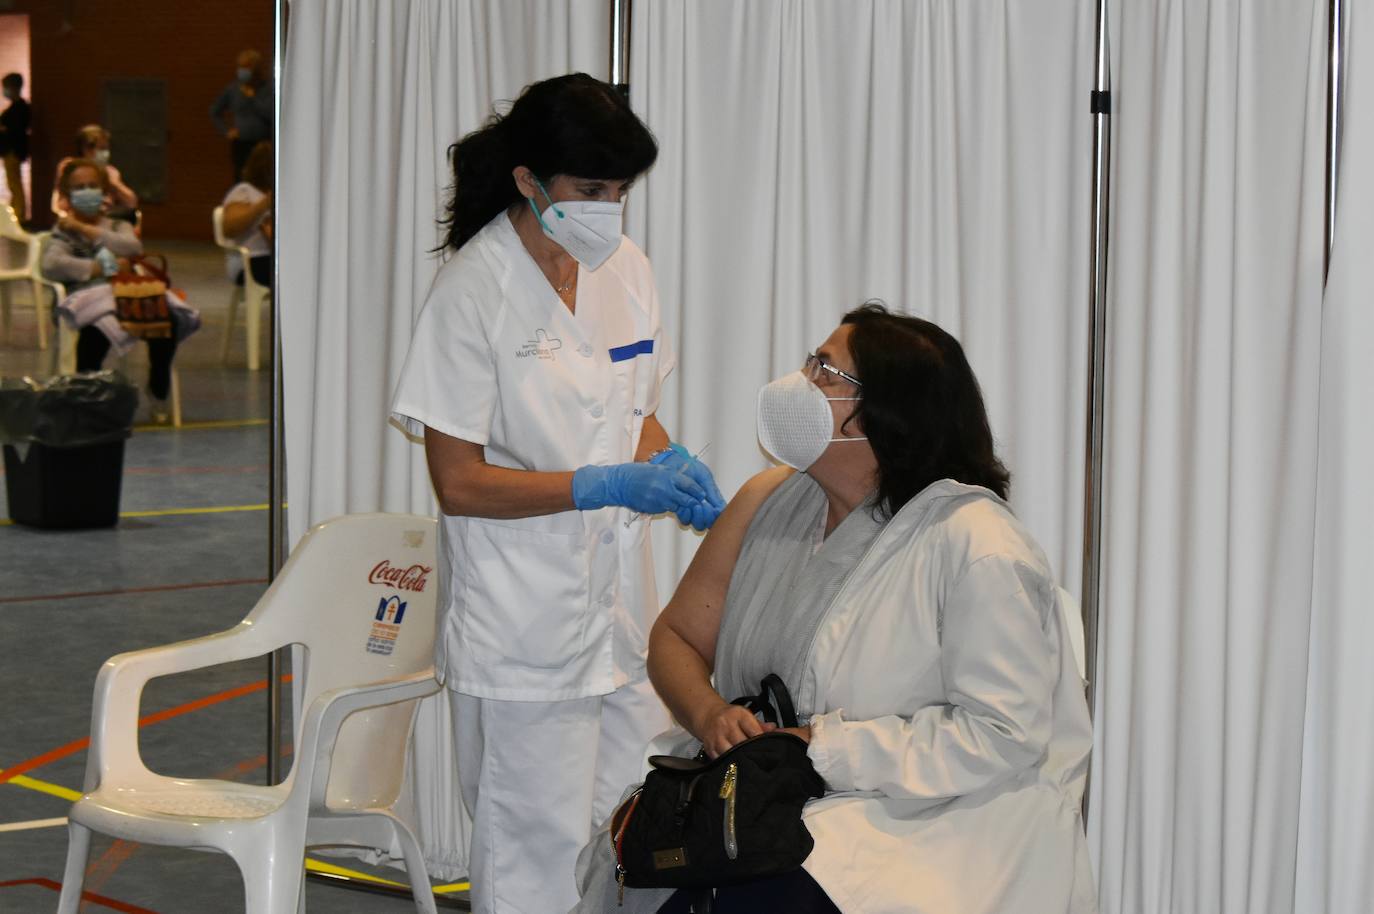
(568, 125)
(920, 407)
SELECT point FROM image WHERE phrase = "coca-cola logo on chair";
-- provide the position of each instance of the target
(413, 578)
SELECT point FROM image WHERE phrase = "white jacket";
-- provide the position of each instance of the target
(951, 726)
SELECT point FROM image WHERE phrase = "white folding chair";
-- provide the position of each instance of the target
(358, 594)
(252, 294)
(19, 262)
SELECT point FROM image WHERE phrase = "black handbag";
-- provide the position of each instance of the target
(701, 823)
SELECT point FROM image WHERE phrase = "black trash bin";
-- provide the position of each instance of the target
(64, 448)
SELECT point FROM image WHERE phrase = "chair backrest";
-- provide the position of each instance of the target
(9, 225)
(1073, 625)
(217, 219)
(15, 243)
(359, 593)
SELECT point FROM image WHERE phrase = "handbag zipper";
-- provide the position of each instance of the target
(728, 788)
(617, 840)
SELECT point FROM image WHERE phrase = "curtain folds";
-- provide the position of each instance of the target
(931, 154)
(935, 154)
(1336, 822)
(1215, 308)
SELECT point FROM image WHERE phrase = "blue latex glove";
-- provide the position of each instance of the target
(678, 458)
(643, 487)
(699, 516)
(109, 263)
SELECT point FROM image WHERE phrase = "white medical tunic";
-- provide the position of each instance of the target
(557, 606)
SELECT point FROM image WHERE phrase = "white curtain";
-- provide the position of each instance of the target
(930, 153)
(814, 155)
(374, 93)
(1215, 319)
(1336, 824)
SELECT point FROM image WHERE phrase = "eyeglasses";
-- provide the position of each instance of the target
(814, 365)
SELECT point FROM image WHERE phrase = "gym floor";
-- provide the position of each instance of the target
(188, 557)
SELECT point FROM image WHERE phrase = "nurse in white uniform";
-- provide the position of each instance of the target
(534, 376)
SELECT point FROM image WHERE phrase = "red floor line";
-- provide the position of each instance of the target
(158, 717)
(156, 588)
(92, 897)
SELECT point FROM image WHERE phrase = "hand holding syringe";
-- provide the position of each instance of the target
(677, 458)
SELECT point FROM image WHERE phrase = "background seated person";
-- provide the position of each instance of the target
(916, 623)
(87, 248)
(247, 217)
(93, 144)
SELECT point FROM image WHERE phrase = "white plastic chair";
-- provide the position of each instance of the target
(19, 256)
(252, 293)
(355, 588)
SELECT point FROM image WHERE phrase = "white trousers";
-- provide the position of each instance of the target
(536, 778)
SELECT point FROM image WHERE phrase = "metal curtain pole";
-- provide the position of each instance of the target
(1334, 95)
(620, 45)
(1097, 352)
(276, 661)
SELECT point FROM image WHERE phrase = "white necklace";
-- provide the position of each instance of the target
(567, 286)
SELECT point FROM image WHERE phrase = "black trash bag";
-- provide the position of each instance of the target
(94, 407)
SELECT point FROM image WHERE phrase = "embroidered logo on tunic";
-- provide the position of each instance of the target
(542, 346)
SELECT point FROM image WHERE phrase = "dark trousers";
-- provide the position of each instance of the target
(262, 270)
(238, 151)
(92, 346)
(795, 892)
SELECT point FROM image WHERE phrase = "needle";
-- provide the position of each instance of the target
(694, 458)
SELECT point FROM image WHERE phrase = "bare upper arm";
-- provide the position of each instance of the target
(694, 613)
(450, 460)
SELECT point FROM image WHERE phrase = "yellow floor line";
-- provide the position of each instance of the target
(209, 423)
(318, 866)
(170, 512)
(32, 824)
(65, 793)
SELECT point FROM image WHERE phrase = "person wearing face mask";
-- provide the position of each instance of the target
(917, 623)
(534, 377)
(14, 141)
(86, 249)
(242, 113)
(93, 144)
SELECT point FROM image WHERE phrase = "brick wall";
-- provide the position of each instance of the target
(189, 43)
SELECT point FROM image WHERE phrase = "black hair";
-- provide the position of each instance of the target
(568, 125)
(13, 81)
(920, 407)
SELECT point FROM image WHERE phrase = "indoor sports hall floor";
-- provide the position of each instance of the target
(189, 557)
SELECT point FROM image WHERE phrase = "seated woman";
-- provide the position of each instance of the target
(93, 144)
(247, 217)
(85, 249)
(917, 624)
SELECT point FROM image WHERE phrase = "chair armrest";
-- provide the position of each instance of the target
(119, 689)
(326, 714)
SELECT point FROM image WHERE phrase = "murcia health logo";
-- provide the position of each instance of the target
(542, 346)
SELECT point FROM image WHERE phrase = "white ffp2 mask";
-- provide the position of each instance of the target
(589, 230)
(795, 421)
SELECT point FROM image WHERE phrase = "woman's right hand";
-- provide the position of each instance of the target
(727, 725)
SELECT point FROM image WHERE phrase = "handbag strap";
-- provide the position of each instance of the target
(775, 690)
(774, 702)
(145, 261)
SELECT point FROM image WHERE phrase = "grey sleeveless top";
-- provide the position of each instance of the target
(784, 580)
